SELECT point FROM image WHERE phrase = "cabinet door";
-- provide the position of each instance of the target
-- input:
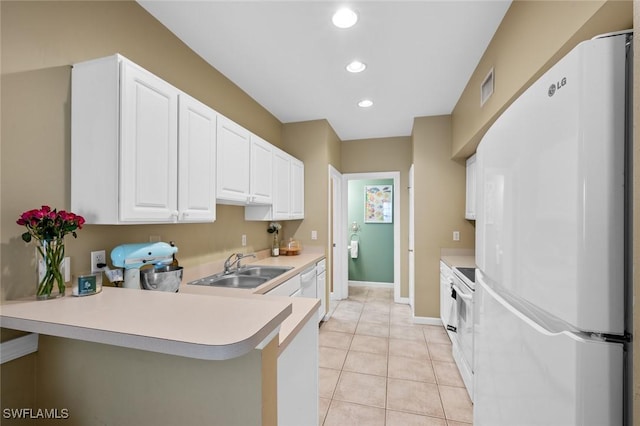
(297, 189)
(261, 175)
(233, 157)
(470, 210)
(281, 185)
(148, 147)
(197, 161)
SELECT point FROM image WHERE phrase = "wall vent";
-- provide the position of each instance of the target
(486, 88)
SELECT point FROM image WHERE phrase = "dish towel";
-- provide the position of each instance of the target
(354, 249)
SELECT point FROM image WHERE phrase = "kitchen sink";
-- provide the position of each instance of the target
(269, 272)
(231, 281)
(246, 277)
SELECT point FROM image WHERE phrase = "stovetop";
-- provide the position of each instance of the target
(468, 275)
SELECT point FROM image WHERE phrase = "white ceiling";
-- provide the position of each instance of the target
(288, 56)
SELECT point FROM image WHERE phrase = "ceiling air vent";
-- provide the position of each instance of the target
(486, 88)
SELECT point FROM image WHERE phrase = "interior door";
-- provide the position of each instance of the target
(338, 288)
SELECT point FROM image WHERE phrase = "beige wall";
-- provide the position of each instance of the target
(385, 155)
(313, 142)
(532, 36)
(110, 385)
(40, 41)
(439, 208)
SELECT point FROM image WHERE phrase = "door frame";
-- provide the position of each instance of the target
(343, 283)
(336, 243)
(411, 243)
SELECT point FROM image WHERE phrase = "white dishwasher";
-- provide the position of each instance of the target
(308, 282)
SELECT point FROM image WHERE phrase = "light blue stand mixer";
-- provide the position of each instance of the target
(132, 257)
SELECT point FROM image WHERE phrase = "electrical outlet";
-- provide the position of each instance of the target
(314, 235)
(96, 258)
(154, 238)
(456, 235)
(244, 240)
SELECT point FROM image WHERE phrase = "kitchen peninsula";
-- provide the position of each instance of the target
(203, 355)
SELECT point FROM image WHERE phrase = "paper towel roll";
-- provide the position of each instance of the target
(354, 249)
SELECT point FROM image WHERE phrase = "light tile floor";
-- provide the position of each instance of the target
(379, 368)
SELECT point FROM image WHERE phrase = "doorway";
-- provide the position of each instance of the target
(343, 253)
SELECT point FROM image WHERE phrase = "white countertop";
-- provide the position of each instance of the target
(462, 258)
(226, 324)
(302, 308)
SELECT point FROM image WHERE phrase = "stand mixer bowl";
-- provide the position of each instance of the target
(162, 278)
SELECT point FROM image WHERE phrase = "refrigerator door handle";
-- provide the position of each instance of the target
(530, 322)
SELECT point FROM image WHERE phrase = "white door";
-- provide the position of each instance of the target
(148, 147)
(338, 245)
(412, 256)
(196, 161)
(233, 158)
(261, 186)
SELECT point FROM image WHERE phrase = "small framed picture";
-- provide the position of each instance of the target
(378, 203)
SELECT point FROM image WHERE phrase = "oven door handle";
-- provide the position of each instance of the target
(461, 294)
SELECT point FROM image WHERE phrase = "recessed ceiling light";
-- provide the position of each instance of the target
(365, 103)
(344, 18)
(356, 66)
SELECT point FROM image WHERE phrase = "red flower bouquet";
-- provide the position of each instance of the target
(49, 227)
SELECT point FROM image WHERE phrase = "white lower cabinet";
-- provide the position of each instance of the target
(287, 288)
(298, 378)
(321, 268)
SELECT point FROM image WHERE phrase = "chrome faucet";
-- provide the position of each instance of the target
(239, 256)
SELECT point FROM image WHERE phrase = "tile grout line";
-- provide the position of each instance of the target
(350, 348)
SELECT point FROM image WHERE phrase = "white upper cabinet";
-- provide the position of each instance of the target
(197, 161)
(281, 185)
(261, 171)
(233, 153)
(288, 190)
(297, 189)
(148, 146)
(125, 147)
(470, 209)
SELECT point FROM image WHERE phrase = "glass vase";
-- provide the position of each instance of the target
(275, 248)
(49, 256)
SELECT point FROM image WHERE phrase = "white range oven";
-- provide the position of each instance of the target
(463, 287)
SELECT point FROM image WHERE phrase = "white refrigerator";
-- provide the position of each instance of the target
(552, 312)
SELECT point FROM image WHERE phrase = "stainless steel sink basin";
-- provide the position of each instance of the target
(246, 277)
(231, 281)
(269, 272)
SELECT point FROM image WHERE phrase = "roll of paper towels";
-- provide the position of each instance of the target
(354, 249)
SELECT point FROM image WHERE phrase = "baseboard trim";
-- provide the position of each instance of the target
(427, 320)
(369, 284)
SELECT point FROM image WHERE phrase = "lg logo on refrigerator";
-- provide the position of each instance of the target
(557, 86)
